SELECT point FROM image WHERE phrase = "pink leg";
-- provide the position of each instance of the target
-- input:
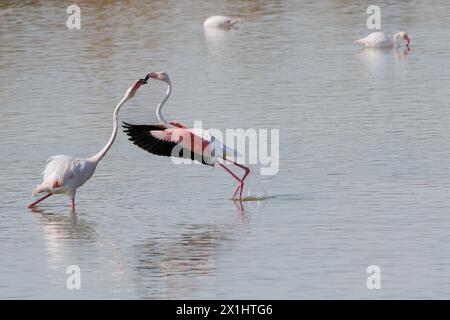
(31, 205)
(247, 171)
(234, 176)
(73, 202)
(236, 190)
(240, 181)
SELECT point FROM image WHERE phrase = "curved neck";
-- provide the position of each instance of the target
(396, 38)
(99, 156)
(161, 119)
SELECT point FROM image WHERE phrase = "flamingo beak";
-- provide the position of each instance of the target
(144, 81)
(406, 38)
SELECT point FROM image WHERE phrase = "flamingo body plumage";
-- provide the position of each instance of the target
(182, 142)
(221, 22)
(64, 174)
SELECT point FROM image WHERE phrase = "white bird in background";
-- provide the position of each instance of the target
(380, 40)
(65, 174)
(220, 22)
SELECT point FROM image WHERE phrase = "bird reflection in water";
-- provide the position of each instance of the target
(377, 58)
(218, 40)
(58, 229)
(62, 226)
(186, 263)
(71, 240)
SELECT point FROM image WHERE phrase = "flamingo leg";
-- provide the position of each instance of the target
(73, 202)
(246, 173)
(31, 205)
(234, 176)
(240, 181)
(236, 190)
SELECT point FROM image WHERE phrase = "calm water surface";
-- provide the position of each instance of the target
(364, 157)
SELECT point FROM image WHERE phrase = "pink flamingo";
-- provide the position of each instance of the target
(176, 140)
(65, 174)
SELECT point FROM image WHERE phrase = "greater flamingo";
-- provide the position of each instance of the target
(174, 139)
(65, 174)
(220, 22)
(380, 40)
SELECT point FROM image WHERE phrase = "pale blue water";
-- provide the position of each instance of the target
(364, 154)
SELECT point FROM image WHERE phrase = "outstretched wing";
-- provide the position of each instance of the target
(146, 137)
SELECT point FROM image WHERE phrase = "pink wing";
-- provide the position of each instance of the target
(183, 137)
(161, 141)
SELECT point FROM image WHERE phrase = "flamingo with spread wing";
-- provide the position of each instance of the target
(172, 139)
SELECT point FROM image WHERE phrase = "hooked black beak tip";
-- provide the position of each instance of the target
(144, 81)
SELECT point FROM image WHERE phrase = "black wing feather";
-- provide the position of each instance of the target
(140, 136)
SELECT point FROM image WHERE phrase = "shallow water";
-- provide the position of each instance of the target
(364, 154)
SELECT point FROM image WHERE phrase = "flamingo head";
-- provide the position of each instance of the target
(159, 75)
(134, 87)
(403, 36)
